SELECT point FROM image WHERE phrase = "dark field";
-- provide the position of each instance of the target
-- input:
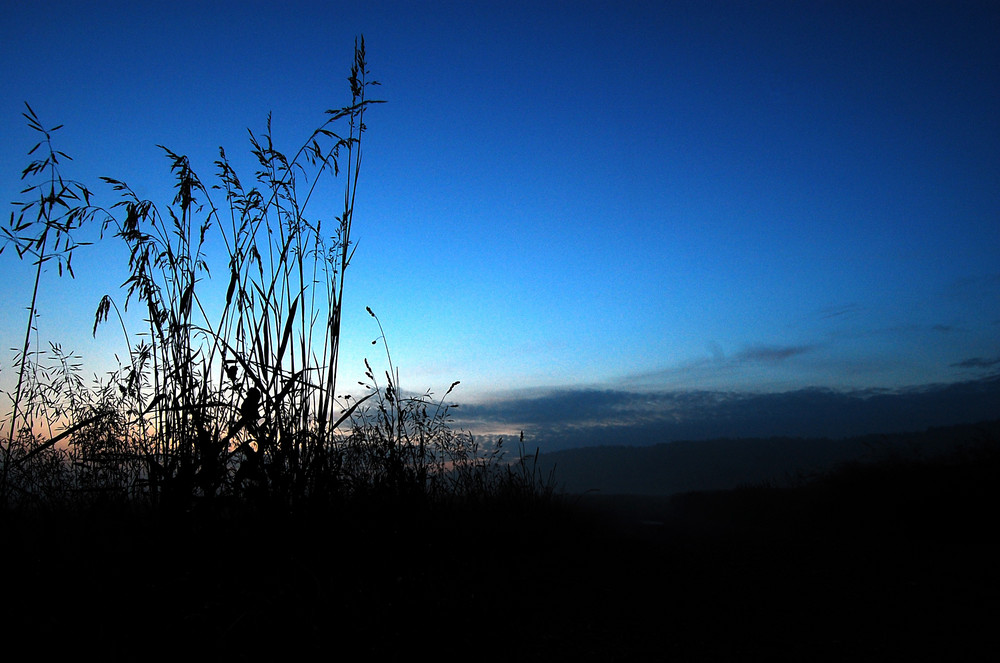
(895, 561)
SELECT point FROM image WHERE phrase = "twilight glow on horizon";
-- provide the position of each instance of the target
(638, 196)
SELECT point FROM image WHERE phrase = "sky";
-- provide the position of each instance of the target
(570, 201)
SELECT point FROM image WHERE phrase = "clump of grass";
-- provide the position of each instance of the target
(403, 445)
(237, 400)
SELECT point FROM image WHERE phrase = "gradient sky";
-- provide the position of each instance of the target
(748, 196)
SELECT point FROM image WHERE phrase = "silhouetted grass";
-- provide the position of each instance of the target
(219, 493)
(230, 400)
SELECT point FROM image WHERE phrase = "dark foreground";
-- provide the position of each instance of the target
(891, 563)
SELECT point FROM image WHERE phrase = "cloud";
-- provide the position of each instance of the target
(570, 418)
(839, 311)
(558, 405)
(755, 366)
(771, 353)
(977, 362)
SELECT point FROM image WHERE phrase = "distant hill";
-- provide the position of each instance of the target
(720, 464)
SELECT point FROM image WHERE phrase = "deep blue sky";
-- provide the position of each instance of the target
(740, 196)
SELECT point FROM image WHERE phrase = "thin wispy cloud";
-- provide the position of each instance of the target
(770, 353)
(978, 362)
(844, 310)
(752, 367)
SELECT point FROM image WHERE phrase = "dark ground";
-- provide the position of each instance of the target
(889, 563)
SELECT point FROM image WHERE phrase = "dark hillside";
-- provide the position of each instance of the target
(675, 467)
(880, 561)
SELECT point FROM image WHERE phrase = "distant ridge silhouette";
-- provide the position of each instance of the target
(721, 464)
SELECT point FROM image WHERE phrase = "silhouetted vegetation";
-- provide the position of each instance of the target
(214, 493)
(230, 398)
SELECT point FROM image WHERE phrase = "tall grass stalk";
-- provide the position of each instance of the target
(55, 203)
(213, 396)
